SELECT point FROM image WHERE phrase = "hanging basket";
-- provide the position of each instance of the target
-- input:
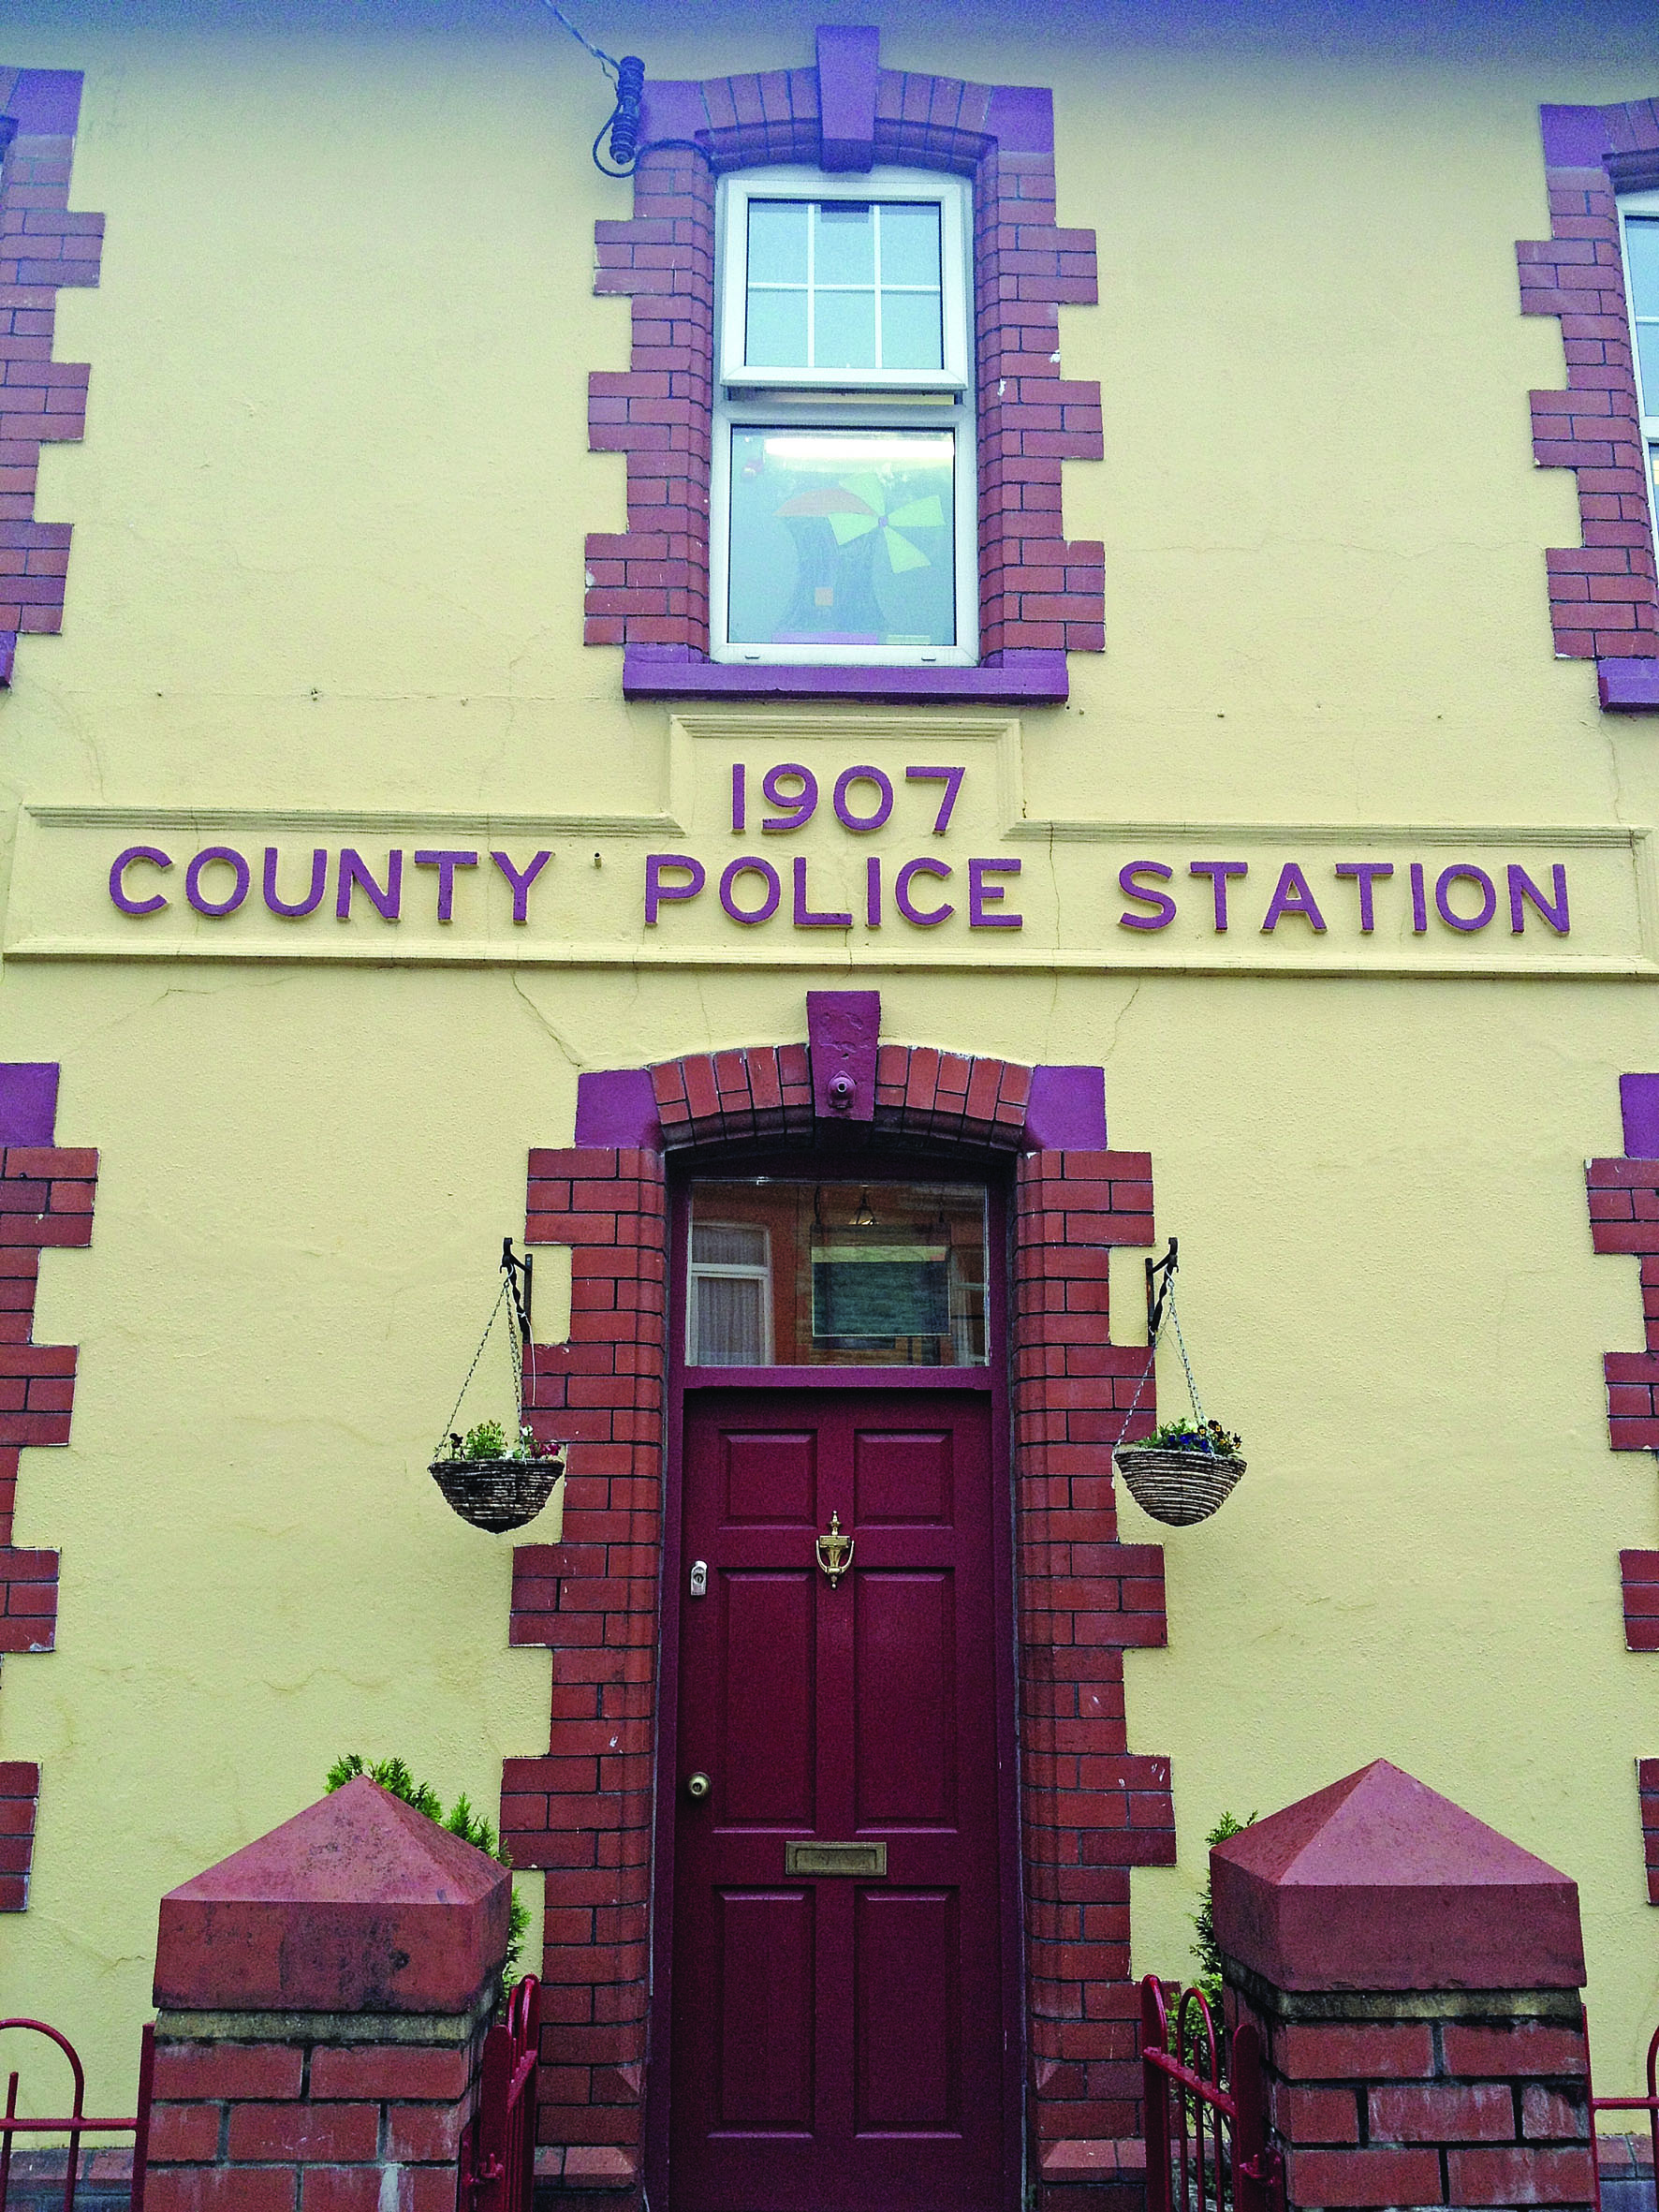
(498, 1494)
(1177, 1488)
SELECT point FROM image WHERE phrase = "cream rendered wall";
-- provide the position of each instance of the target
(329, 520)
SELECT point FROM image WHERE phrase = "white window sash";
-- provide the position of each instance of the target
(841, 399)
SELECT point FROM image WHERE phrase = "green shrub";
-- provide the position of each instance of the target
(393, 1775)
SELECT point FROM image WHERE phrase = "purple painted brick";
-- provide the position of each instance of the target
(28, 1101)
(617, 1106)
(1066, 1112)
(1628, 687)
(1638, 1103)
(46, 103)
(1573, 138)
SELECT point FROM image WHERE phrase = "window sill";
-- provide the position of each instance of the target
(1628, 687)
(656, 673)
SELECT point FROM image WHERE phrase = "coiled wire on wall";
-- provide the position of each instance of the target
(621, 126)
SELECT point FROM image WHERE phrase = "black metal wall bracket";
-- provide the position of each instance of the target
(1158, 1273)
(520, 1276)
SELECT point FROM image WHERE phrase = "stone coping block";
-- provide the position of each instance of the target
(357, 1904)
(1379, 1883)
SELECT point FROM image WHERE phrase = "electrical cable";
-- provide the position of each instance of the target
(621, 126)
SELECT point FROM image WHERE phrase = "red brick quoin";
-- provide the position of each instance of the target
(46, 1199)
(1625, 1218)
(648, 586)
(1603, 600)
(43, 246)
(1090, 1810)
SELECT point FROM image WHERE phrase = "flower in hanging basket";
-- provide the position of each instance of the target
(491, 1485)
(1184, 1471)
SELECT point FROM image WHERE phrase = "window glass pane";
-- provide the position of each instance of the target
(910, 243)
(728, 1324)
(1641, 253)
(777, 241)
(845, 337)
(910, 331)
(863, 1274)
(1647, 340)
(718, 1244)
(777, 330)
(843, 245)
(842, 537)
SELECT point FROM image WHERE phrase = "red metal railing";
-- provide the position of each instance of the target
(498, 2150)
(78, 2121)
(1649, 2104)
(1206, 2144)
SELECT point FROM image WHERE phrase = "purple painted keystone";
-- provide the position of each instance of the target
(28, 1101)
(1380, 1883)
(849, 71)
(358, 1904)
(842, 1030)
(1067, 1111)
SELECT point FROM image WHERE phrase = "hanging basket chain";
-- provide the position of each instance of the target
(449, 1424)
(1151, 1357)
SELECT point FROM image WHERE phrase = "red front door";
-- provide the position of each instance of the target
(837, 2036)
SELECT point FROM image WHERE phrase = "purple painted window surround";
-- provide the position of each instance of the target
(1042, 596)
(28, 1101)
(7, 657)
(651, 672)
(1638, 1103)
(1604, 595)
(1067, 1111)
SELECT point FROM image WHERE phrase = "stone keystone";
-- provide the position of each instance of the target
(357, 1904)
(1380, 1883)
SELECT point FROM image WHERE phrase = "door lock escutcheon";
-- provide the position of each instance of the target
(699, 1578)
(697, 1786)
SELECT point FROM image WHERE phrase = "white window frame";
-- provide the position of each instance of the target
(730, 1271)
(1644, 204)
(837, 399)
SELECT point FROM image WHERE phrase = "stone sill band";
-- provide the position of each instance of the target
(1036, 677)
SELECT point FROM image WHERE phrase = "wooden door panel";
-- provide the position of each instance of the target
(904, 1716)
(908, 2012)
(837, 2043)
(902, 1476)
(767, 1775)
(765, 2003)
(770, 1477)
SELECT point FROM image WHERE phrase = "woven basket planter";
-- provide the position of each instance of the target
(1177, 1488)
(498, 1494)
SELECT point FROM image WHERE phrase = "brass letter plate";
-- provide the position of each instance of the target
(835, 1858)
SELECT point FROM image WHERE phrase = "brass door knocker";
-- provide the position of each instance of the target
(835, 1551)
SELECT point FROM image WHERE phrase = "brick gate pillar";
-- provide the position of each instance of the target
(1415, 1978)
(323, 1999)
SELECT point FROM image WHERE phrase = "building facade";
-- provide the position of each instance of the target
(1027, 637)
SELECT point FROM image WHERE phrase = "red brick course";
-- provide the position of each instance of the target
(1090, 1808)
(42, 401)
(649, 584)
(1604, 599)
(307, 2125)
(1374, 2111)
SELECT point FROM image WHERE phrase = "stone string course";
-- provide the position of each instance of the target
(1090, 1810)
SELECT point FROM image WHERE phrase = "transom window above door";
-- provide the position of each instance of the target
(797, 1274)
(843, 483)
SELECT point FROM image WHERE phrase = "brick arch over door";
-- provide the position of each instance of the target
(1090, 1810)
